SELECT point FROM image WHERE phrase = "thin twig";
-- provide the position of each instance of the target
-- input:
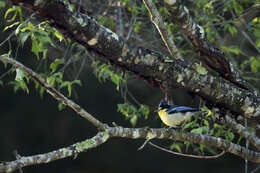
(143, 145)
(133, 21)
(187, 155)
(8, 38)
(120, 19)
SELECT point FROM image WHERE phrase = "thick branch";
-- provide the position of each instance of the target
(158, 22)
(134, 133)
(249, 14)
(146, 133)
(157, 69)
(72, 150)
(241, 130)
(54, 93)
(208, 53)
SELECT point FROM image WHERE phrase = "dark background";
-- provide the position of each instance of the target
(32, 125)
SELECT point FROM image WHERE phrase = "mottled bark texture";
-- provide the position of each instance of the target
(133, 133)
(154, 67)
(207, 52)
(61, 153)
(241, 130)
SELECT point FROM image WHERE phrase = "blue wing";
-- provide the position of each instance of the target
(174, 109)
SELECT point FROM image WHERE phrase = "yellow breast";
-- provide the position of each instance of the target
(173, 120)
(164, 117)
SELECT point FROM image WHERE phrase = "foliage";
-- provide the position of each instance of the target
(220, 19)
(132, 113)
(104, 72)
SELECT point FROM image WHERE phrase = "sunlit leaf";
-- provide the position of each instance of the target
(55, 64)
(133, 120)
(61, 106)
(176, 146)
(23, 37)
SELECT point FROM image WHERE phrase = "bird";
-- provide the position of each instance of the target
(176, 116)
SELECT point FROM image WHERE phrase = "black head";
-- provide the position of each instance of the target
(163, 104)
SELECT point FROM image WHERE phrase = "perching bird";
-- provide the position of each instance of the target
(176, 116)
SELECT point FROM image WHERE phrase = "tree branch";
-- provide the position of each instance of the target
(72, 150)
(165, 35)
(150, 133)
(153, 67)
(54, 93)
(241, 130)
(133, 133)
(208, 53)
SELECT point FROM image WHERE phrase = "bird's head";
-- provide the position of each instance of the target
(163, 104)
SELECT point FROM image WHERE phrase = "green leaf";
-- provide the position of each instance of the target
(24, 86)
(201, 70)
(127, 109)
(58, 35)
(27, 27)
(19, 85)
(187, 145)
(232, 30)
(10, 26)
(69, 84)
(144, 111)
(217, 126)
(69, 89)
(237, 7)
(198, 130)
(9, 11)
(20, 75)
(255, 65)
(202, 147)
(78, 82)
(176, 146)
(116, 79)
(257, 32)
(206, 123)
(55, 78)
(133, 120)
(23, 37)
(35, 48)
(41, 92)
(190, 124)
(258, 43)
(61, 106)
(16, 10)
(1, 83)
(55, 64)
(138, 26)
(231, 49)
(229, 136)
